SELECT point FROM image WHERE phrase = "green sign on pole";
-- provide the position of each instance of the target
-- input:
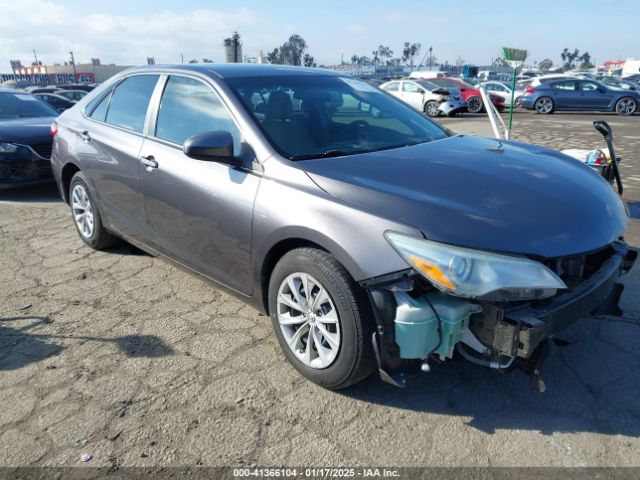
(515, 58)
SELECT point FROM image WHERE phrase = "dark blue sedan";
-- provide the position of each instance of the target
(25, 139)
(571, 94)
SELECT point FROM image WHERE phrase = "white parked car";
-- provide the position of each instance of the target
(425, 96)
(503, 90)
(549, 78)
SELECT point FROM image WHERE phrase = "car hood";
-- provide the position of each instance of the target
(481, 193)
(25, 129)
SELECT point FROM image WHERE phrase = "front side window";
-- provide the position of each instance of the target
(321, 116)
(588, 86)
(130, 101)
(189, 107)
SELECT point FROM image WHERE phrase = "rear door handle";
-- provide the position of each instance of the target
(149, 162)
(84, 135)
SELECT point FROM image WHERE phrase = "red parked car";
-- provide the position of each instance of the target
(470, 94)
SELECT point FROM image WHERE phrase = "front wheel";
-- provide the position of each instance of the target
(474, 105)
(626, 106)
(86, 216)
(431, 108)
(321, 318)
(544, 105)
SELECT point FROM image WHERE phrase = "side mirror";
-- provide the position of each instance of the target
(463, 89)
(211, 146)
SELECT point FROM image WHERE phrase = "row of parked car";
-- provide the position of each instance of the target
(440, 96)
(61, 97)
(544, 94)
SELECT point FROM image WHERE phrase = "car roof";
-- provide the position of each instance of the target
(236, 70)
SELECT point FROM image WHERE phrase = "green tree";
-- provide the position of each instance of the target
(410, 51)
(546, 64)
(585, 60)
(292, 52)
(309, 61)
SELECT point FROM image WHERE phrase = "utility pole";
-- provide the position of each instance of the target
(36, 57)
(73, 62)
(182, 58)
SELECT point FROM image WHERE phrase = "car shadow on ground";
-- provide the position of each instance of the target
(46, 193)
(592, 386)
(20, 346)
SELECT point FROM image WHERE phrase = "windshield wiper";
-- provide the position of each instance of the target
(325, 154)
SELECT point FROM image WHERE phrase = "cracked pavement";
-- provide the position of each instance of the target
(122, 356)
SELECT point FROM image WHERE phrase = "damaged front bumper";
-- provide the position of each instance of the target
(24, 167)
(497, 333)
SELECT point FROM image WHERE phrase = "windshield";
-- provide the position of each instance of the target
(325, 116)
(19, 105)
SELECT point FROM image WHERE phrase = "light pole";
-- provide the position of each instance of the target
(75, 72)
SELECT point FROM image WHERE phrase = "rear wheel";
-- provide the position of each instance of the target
(544, 105)
(626, 106)
(86, 216)
(321, 318)
(474, 105)
(431, 108)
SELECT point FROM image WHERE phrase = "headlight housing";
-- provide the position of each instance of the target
(8, 147)
(472, 273)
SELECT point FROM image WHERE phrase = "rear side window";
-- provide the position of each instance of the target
(189, 107)
(566, 85)
(129, 102)
(392, 87)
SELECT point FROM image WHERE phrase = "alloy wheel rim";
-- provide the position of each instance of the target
(82, 211)
(432, 109)
(544, 105)
(474, 105)
(626, 106)
(308, 320)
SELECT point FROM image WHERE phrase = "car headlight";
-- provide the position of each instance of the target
(474, 273)
(8, 147)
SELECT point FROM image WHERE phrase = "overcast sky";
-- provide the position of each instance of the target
(127, 31)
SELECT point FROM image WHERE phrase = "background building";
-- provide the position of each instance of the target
(233, 48)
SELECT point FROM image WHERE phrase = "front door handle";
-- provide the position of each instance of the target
(149, 162)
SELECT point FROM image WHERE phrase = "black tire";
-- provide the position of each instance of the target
(474, 105)
(517, 102)
(626, 106)
(355, 358)
(544, 105)
(99, 238)
(431, 108)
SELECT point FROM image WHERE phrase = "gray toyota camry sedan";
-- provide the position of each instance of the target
(373, 242)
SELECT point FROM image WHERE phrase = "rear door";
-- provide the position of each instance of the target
(565, 95)
(108, 147)
(198, 212)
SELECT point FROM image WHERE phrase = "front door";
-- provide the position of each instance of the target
(199, 212)
(594, 96)
(412, 94)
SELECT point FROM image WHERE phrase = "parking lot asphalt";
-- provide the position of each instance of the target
(119, 355)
